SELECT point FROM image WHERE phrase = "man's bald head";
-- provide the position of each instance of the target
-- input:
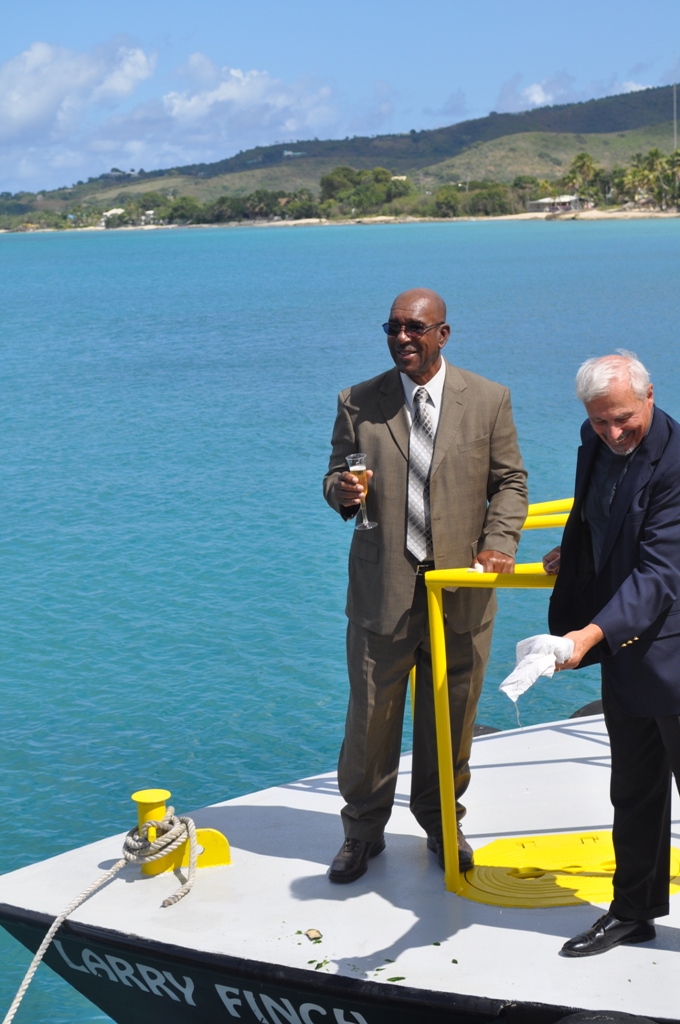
(418, 296)
(417, 332)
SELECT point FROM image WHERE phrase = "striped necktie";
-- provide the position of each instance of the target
(419, 528)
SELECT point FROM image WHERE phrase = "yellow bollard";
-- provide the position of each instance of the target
(150, 807)
(213, 846)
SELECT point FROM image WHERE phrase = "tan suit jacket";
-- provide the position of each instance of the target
(478, 493)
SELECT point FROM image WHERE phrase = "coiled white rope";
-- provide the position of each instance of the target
(171, 833)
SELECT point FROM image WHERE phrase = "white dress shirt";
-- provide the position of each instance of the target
(435, 391)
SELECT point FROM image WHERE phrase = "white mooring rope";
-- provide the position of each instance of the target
(172, 831)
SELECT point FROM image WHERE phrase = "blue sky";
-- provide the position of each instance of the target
(84, 87)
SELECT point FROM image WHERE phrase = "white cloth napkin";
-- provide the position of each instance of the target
(536, 656)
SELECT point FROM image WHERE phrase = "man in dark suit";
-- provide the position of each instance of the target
(617, 596)
(446, 486)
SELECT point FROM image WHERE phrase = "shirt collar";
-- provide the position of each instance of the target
(435, 387)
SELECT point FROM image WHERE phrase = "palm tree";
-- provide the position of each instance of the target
(584, 168)
(582, 174)
(674, 171)
(635, 184)
(659, 177)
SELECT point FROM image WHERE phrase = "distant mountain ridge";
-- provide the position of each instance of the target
(413, 150)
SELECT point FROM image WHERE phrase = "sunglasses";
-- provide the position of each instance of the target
(411, 330)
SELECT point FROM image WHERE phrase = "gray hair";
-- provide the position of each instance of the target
(596, 376)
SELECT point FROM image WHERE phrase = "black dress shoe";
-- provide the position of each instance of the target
(606, 933)
(352, 859)
(466, 856)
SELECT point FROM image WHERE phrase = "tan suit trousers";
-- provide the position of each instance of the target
(379, 667)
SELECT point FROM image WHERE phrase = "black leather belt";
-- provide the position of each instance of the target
(424, 567)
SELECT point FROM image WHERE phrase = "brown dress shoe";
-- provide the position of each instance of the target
(607, 932)
(466, 856)
(351, 860)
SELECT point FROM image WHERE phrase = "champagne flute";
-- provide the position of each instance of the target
(357, 466)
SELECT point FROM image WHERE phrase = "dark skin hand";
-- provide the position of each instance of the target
(348, 490)
(494, 561)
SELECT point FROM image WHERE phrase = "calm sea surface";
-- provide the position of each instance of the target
(171, 608)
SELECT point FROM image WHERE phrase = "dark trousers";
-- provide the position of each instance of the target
(378, 668)
(645, 751)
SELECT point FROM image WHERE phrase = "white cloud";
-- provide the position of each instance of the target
(62, 111)
(46, 90)
(537, 95)
(252, 102)
(200, 68)
(557, 89)
(560, 88)
(132, 66)
(67, 115)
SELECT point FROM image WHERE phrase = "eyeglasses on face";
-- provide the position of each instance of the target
(412, 329)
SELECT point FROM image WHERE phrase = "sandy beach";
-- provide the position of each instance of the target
(320, 222)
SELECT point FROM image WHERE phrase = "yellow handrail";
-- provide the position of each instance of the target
(541, 522)
(543, 514)
(529, 575)
(526, 575)
(541, 508)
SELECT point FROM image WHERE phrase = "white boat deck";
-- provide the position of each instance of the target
(397, 921)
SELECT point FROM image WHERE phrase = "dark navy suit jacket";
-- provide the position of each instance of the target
(635, 596)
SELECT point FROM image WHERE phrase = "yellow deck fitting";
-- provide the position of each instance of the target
(213, 847)
(150, 807)
(548, 871)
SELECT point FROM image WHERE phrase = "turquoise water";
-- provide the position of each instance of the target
(171, 609)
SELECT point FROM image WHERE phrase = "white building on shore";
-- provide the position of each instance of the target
(554, 204)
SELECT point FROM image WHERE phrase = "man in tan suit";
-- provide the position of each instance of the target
(447, 488)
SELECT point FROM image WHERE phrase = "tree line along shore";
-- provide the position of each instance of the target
(651, 181)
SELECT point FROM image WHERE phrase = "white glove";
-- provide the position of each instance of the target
(536, 656)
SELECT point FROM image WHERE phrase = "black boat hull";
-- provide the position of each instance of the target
(136, 981)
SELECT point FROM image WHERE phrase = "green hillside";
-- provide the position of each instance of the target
(291, 176)
(269, 167)
(540, 154)
(545, 155)
(412, 150)
(539, 142)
